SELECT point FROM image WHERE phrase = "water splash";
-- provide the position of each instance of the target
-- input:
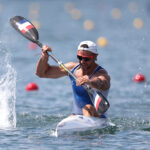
(7, 94)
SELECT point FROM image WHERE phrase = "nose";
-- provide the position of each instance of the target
(83, 61)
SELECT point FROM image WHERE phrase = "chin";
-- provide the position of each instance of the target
(84, 67)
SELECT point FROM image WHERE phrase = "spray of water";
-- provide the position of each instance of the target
(7, 94)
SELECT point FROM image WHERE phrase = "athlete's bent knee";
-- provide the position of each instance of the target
(89, 110)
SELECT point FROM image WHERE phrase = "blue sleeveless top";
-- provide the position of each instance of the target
(81, 97)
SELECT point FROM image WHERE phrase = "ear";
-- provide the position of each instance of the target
(95, 57)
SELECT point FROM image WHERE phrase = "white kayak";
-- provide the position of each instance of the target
(80, 123)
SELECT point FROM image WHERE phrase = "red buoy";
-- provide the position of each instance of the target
(139, 78)
(31, 86)
(32, 46)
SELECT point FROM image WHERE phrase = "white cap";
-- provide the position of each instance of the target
(91, 46)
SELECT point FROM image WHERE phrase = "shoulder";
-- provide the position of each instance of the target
(102, 72)
(71, 65)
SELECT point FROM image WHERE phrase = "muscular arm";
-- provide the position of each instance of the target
(44, 70)
(100, 81)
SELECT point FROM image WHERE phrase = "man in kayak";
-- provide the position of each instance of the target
(87, 71)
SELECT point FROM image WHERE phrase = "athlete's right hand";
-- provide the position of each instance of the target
(46, 48)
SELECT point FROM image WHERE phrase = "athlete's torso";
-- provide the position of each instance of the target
(81, 97)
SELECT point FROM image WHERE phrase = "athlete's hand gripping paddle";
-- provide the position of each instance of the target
(27, 29)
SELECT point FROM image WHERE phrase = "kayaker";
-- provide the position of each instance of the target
(87, 71)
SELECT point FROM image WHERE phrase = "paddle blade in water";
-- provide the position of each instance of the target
(25, 27)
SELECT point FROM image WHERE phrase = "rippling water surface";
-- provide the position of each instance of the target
(28, 119)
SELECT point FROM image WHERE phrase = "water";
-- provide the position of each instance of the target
(7, 96)
(28, 119)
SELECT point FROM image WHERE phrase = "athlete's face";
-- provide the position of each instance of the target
(86, 59)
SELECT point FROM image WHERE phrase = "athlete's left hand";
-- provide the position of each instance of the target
(82, 80)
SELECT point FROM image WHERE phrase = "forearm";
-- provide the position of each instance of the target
(42, 66)
(100, 84)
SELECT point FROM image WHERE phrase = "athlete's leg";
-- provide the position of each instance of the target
(89, 110)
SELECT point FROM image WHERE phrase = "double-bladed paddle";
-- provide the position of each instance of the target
(28, 30)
